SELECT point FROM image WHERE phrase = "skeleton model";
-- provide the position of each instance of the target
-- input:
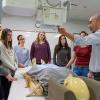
(33, 85)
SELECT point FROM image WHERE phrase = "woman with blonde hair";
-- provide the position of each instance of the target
(40, 49)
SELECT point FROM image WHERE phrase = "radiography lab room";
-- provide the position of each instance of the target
(49, 49)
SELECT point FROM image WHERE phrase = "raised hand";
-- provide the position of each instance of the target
(66, 33)
(61, 30)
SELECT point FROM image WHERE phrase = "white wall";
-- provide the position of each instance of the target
(18, 23)
(25, 25)
(76, 26)
(28, 24)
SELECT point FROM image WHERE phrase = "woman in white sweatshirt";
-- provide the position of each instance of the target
(8, 59)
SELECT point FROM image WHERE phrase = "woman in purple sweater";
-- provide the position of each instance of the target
(40, 49)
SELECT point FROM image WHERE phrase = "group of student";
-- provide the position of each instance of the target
(18, 56)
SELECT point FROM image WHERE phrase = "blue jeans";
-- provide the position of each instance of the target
(80, 70)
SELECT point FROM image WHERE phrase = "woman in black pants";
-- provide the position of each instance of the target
(5, 78)
(1, 90)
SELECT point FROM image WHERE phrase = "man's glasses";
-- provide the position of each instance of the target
(94, 20)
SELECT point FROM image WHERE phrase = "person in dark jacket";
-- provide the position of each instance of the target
(62, 52)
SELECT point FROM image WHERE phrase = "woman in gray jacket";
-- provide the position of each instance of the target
(8, 59)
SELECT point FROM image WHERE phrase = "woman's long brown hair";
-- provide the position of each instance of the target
(4, 38)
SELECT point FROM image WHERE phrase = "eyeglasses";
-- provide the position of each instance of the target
(22, 39)
(91, 21)
(42, 34)
(94, 20)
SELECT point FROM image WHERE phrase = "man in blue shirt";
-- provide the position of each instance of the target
(92, 39)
